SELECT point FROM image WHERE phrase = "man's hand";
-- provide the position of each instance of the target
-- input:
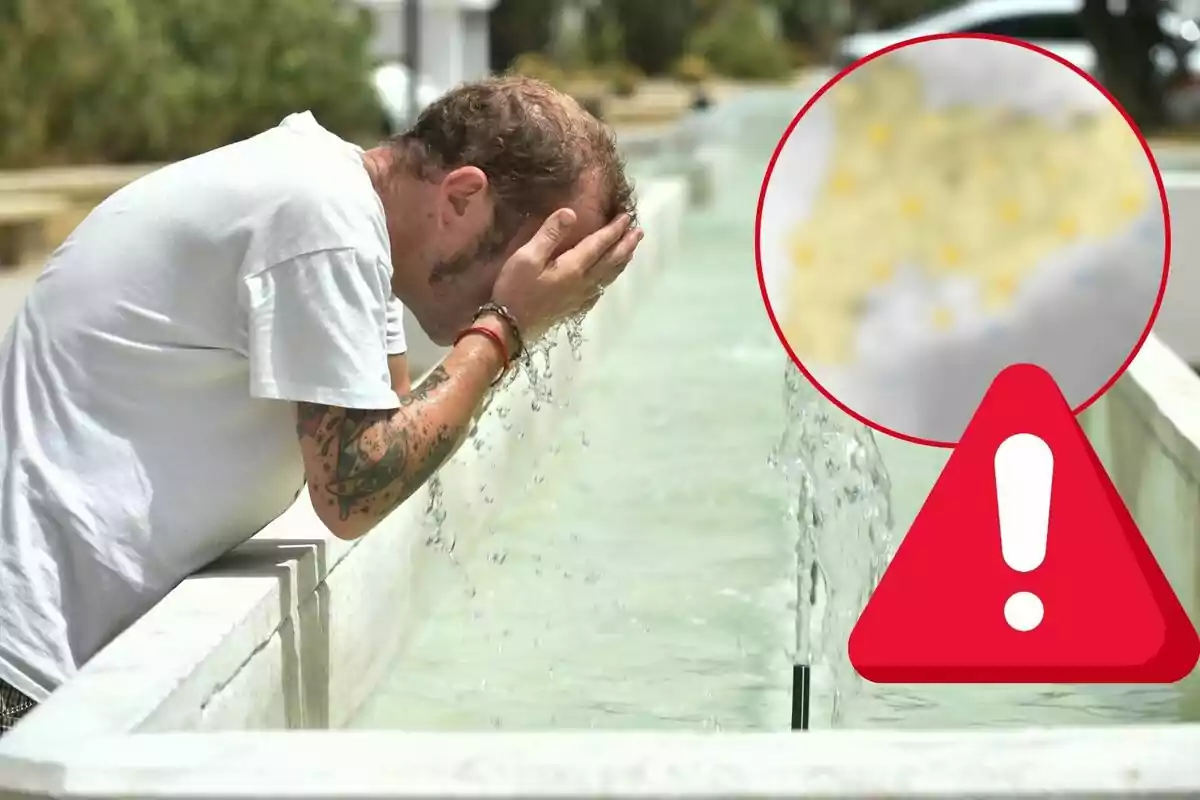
(540, 290)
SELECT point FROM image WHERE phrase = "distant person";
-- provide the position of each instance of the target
(229, 327)
(701, 101)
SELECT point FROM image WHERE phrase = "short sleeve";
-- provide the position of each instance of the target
(396, 343)
(317, 331)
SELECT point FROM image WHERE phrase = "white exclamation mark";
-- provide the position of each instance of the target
(1024, 473)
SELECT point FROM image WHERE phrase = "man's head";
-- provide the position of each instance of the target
(474, 178)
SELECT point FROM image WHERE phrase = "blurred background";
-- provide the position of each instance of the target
(139, 81)
(94, 93)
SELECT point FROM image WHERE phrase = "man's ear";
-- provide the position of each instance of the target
(464, 192)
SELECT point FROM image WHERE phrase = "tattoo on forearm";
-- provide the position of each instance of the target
(371, 463)
(432, 381)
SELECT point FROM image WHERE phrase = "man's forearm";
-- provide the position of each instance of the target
(361, 464)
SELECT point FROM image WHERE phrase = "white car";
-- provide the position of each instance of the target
(1051, 24)
(391, 83)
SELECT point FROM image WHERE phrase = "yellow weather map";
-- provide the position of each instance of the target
(968, 190)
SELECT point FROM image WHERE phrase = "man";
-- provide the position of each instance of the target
(228, 327)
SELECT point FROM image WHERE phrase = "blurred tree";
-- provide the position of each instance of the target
(605, 38)
(244, 66)
(736, 41)
(125, 80)
(655, 31)
(81, 80)
(812, 26)
(520, 26)
(815, 24)
(889, 13)
(806, 22)
(1125, 39)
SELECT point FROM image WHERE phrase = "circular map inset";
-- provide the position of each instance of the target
(951, 207)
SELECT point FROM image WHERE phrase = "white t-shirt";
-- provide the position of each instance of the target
(142, 432)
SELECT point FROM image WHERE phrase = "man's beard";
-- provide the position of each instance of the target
(448, 271)
(486, 248)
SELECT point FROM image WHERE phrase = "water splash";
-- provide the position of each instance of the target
(839, 497)
(536, 366)
(435, 517)
(573, 330)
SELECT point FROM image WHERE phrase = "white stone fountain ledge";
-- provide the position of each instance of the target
(1154, 762)
(1146, 430)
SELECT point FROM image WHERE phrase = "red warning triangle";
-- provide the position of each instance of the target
(1103, 610)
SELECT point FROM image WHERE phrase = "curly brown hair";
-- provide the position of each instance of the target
(535, 144)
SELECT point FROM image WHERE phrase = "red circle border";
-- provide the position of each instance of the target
(762, 195)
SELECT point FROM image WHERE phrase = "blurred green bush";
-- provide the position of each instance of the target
(736, 42)
(155, 80)
(624, 79)
(539, 66)
(692, 70)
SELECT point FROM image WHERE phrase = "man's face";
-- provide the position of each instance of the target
(468, 248)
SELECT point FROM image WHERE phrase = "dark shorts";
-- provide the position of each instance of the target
(13, 706)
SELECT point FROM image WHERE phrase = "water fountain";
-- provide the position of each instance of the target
(839, 502)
